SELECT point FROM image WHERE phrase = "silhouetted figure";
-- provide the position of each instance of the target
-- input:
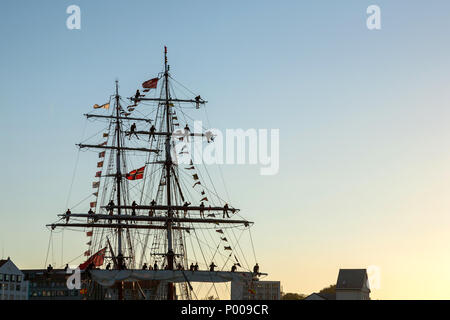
(152, 132)
(110, 207)
(66, 267)
(155, 266)
(133, 210)
(187, 132)
(144, 267)
(212, 266)
(225, 210)
(179, 266)
(186, 204)
(202, 210)
(49, 268)
(133, 130)
(191, 267)
(233, 268)
(256, 269)
(197, 101)
(68, 215)
(90, 211)
(108, 266)
(137, 96)
(196, 267)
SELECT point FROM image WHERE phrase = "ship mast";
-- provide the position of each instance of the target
(168, 165)
(118, 185)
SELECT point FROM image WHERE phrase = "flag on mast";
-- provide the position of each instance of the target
(150, 84)
(103, 106)
(96, 259)
(136, 174)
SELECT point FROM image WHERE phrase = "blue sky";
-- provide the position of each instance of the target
(363, 118)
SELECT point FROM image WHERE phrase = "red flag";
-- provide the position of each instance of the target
(152, 83)
(93, 204)
(96, 259)
(101, 154)
(98, 174)
(100, 164)
(89, 234)
(136, 174)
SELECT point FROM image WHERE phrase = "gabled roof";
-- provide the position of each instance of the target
(321, 296)
(352, 279)
(2, 262)
(8, 267)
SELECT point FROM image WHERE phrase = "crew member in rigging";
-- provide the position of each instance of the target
(187, 132)
(202, 208)
(212, 266)
(151, 213)
(225, 210)
(133, 210)
(152, 132)
(133, 130)
(185, 205)
(197, 101)
(137, 96)
(111, 209)
(256, 269)
(68, 215)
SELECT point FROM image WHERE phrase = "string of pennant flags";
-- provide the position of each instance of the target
(96, 187)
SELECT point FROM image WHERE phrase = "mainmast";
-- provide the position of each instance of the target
(168, 165)
(118, 185)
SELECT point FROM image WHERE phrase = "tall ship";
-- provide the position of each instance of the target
(156, 225)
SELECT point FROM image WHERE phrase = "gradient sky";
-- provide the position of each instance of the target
(363, 117)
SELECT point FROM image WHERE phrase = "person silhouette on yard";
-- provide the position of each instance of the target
(152, 132)
(202, 210)
(187, 132)
(108, 266)
(110, 207)
(233, 268)
(191, 267)
(196, 267)
(225, 210)
(185, 205)
(133, 210)
(155, 266)
(133, 130)
(137, 96)
(144, 267)
(68, 215)
(197, 101)
(256, 269)
(212, 266)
